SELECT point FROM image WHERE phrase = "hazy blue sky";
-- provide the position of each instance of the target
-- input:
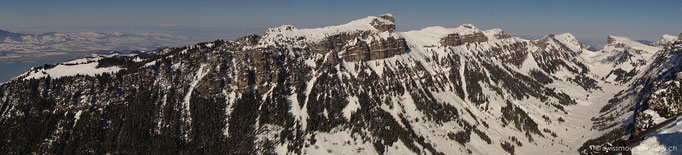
(588, 19)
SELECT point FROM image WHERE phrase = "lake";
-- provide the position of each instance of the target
(8, 71)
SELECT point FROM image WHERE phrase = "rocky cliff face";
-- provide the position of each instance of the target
(356, 88)
(456, 39)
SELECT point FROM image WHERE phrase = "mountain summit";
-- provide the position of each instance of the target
(355, 88)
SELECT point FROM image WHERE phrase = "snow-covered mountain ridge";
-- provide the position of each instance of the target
(356, 88)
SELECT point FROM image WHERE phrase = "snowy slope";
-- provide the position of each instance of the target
(58, 71)
(621, 59)
(667, 39)
(85, 66)
(666, 140)
(649, 96)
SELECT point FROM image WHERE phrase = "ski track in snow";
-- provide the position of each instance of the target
(187, 115)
